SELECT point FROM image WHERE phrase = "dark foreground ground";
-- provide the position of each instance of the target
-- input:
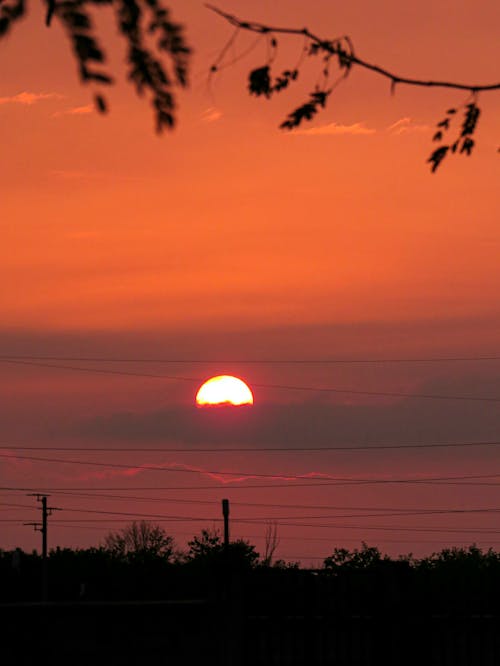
(155, 614)
(203, 632)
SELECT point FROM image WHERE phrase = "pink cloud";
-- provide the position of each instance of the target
(138, 469)
(401, 126)
(222, 476)
(334, 129)
(210, 115)
(28, 98)
(22, 464)
(406, 126)
(75, 111)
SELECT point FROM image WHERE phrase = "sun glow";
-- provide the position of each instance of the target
(224, 390)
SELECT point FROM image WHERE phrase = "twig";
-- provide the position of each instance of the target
(328, 45)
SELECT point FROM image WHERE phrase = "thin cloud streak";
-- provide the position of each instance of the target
(407, 126)
(222, 476)
(296, 424)
(334, 129)
(29, 98)
(211, 115)
(75, 111)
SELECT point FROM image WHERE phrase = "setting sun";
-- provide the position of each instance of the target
(224, 390)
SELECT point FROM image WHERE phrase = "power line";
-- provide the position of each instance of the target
(411, 512)
(101, 370)
(259, 486)
(281, 475)
(137, 514)
(305, 539)
(43, 528)
(383, 528)
(383, 511)
(287, 387)
(172, 500)
(251, 521)
(398, 514)
(287, 538)
(246, 361)
(264, 519)
(262, 449)
(18, 506)
(116, 520)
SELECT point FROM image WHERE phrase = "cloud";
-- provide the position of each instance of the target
(311, 423)
(224, 475)
(211, 115)
(407, 126)
(75, 111)
(334, 129)
(402, 126)
(28, 98)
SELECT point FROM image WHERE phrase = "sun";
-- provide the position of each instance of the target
(224, 390)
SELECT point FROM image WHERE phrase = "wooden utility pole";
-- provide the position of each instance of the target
(225, 513)
(43, 528)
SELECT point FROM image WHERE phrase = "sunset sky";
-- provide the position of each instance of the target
(231, 247)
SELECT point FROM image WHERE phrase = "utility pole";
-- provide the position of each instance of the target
(225, 513)
(43, 528)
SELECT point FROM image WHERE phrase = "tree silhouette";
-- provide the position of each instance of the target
(140, 539)
(454, 559)
(363, 558)
(271, 543)
(208, 549)
(158, 62)
(156, 48)
(337, 58)
(205, 545)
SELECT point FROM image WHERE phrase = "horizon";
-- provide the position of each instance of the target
(354, 292)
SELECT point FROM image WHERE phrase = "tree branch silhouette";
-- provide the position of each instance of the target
(157, 56)
(157, 52)
(341, 51)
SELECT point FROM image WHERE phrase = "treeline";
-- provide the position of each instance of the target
(142, 562)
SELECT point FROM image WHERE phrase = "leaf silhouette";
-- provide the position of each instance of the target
(437, 157)
(259, 82)
(306, 111)
(100, 104)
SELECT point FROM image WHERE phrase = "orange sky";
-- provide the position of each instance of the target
(230, 239)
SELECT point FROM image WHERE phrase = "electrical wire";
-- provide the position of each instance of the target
(172, 500)
(266, 519)
(382, 511)
(246, 361)
(106, 520)
(287, 387)
(258, 486)
(262, 449)
(251, 521)
(440, 542)
(329, 479)
(284, 538)
(384, 528)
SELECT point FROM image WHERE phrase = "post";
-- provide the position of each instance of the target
(43, 528)
(227, 597)
(225, 513)
(45, 571)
